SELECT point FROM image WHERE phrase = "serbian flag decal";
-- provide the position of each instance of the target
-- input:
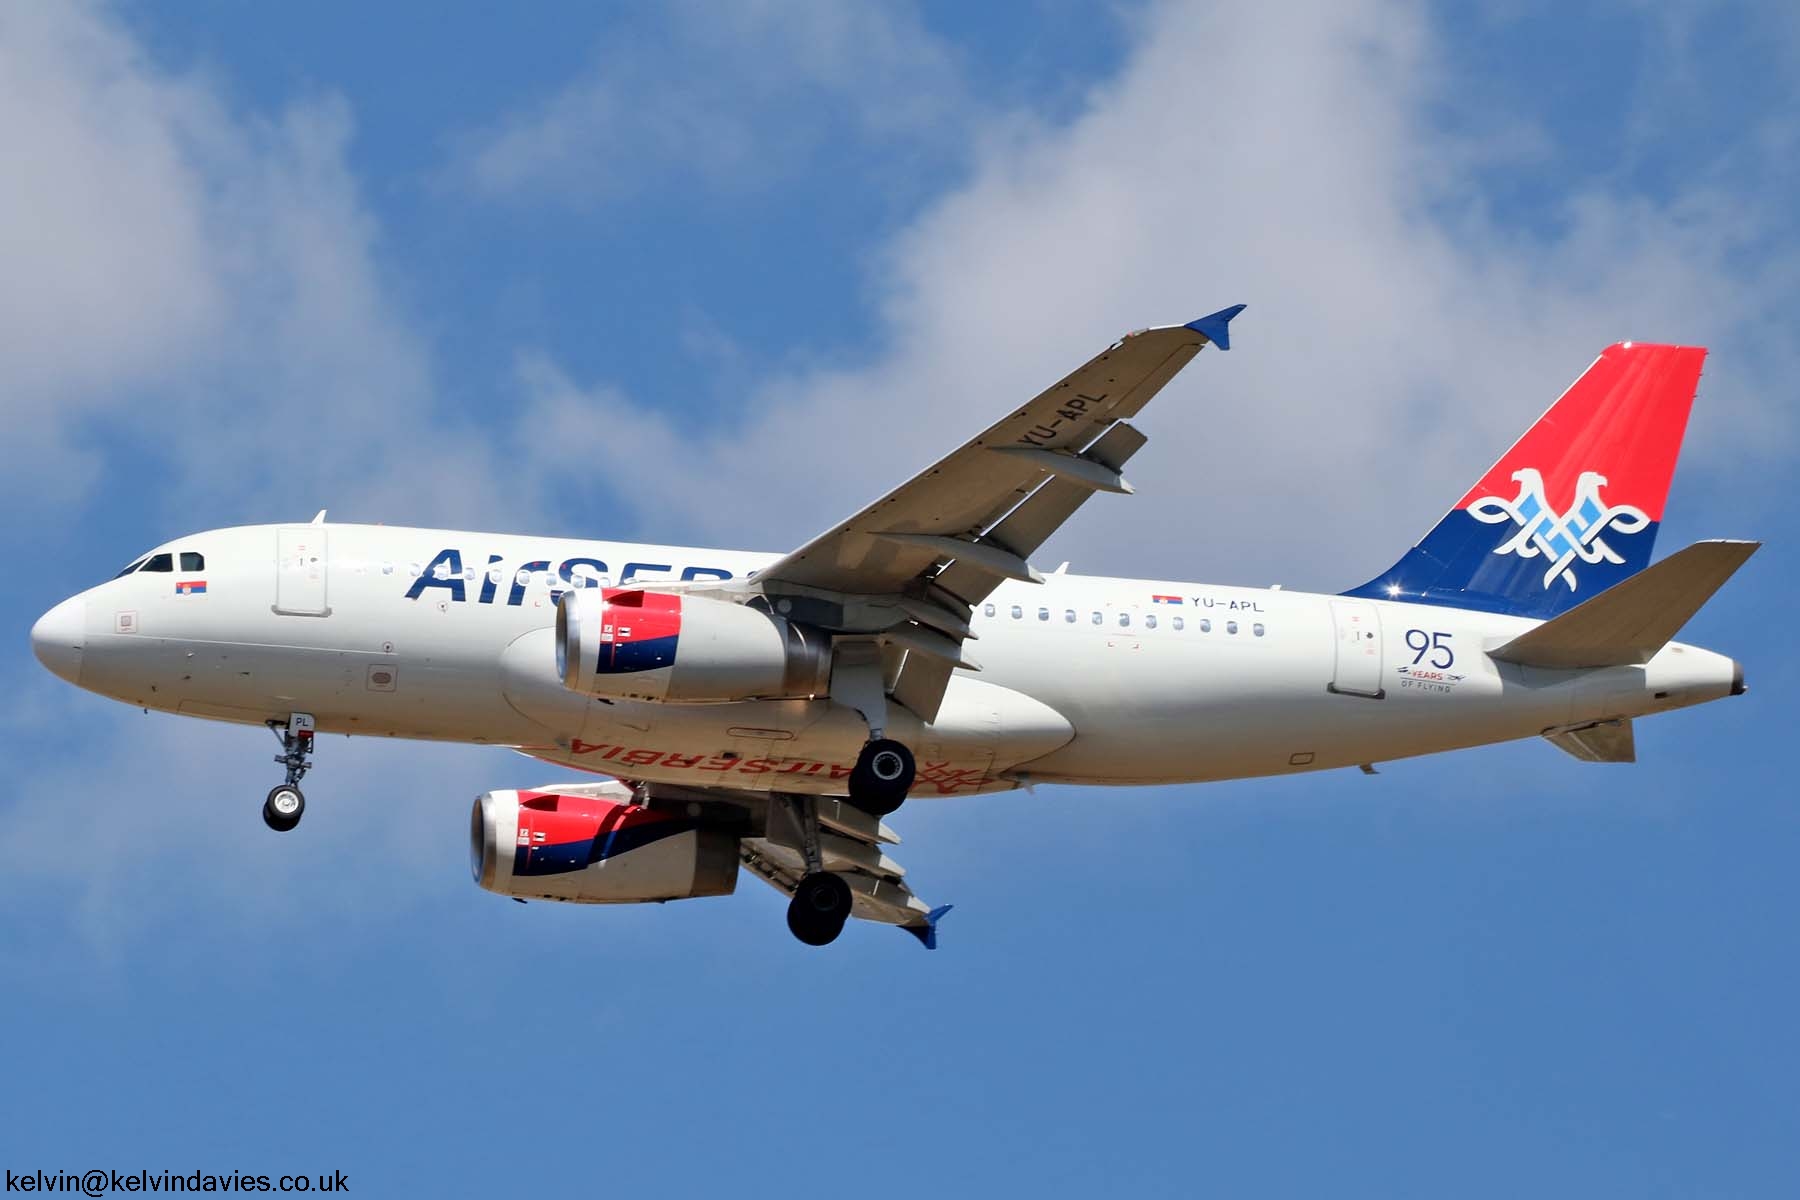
(190, 587)
(1165, 599)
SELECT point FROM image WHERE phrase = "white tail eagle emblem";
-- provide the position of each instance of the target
(1562, 538)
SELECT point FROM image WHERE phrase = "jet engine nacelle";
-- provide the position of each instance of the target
(592, 850)
(630, 644)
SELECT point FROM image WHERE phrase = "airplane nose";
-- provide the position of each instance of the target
(57, 638)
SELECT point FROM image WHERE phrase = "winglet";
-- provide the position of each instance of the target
(1216, 327)
(927, 933)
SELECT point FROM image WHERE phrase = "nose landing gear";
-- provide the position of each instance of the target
(286, 803)
(284, 808)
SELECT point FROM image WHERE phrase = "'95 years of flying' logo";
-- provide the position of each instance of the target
(1562, 538)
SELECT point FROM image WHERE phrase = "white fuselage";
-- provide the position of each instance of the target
(376, 631)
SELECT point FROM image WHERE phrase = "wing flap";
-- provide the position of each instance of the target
(1030, 525)
(921, 685)
(1076, 468)
(839, 815)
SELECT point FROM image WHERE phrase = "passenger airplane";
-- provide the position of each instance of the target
(764, 712)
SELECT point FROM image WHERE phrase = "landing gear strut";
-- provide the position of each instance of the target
(822, 901)
(881, 777)
(286, 803)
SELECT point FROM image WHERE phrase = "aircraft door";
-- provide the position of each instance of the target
(1356, 660)
(300, 570)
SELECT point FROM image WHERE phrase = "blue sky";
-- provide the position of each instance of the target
(636, 271)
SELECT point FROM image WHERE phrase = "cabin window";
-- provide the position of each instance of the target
(1069, 615)
(1150, 621)
(1257, 629)
(1205, 624)
(191, 561)
(1124, 620)
(1178, 623)
(1098, 618)
(1231, 627)
(987, 610)
(159, 562)
(1018, 612)
(1043, 614)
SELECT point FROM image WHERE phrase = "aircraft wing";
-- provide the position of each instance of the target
(851, 845)
(930, 550)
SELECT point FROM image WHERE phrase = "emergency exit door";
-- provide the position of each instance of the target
(1356, 663)
(300, 570)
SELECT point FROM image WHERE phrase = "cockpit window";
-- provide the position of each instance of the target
(159, 562)
(136, 563)
(191, 561)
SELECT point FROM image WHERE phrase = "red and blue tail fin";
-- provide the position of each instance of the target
(1574, 506)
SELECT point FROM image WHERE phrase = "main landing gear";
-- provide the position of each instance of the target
(822, 901)
(819, 909)
(882, 776)
(884, 769)
(878, 785)
(286, 803)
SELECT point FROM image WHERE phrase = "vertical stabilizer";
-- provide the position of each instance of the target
(1573, 508)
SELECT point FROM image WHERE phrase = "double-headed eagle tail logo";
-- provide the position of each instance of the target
(1563, 538)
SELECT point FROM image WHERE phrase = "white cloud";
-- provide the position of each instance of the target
(1398, 335)
(737, 97)
(193, 295)
(200, 288)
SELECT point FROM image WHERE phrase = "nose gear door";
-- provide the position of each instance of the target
(300, 570)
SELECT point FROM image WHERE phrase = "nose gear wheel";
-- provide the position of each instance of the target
(286, 804)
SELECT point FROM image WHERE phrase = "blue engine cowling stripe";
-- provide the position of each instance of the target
(619, 658)
(558, 858)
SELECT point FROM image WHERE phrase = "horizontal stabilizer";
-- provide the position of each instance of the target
(1605, 741)
(1630, 621)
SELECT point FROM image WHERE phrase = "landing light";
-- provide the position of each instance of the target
(1393, 590)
